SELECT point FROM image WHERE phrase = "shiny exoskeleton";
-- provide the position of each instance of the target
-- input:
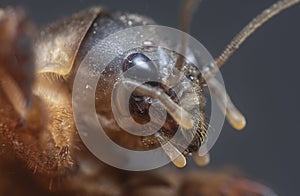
(36, 120)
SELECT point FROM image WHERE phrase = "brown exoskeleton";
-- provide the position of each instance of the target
(37, 123)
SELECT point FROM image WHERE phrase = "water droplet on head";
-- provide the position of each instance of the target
(88, 86)
(148, 43)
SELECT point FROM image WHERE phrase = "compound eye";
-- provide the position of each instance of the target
(144, 68)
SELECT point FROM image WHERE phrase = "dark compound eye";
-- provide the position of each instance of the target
(144, 68)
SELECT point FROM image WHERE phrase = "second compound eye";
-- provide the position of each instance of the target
(139, 66)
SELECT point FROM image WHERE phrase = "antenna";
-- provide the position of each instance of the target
(188, 9)
(248, 30)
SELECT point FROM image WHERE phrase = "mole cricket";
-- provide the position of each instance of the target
(37, 125)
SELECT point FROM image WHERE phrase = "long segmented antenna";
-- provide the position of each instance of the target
(235, 118)
(188, 9)
(258, 21)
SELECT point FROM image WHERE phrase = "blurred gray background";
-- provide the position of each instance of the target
(262, 78)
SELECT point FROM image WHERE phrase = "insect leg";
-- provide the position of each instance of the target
(16, 58)
(39, 131)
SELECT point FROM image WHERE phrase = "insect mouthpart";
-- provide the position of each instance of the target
(150, 91)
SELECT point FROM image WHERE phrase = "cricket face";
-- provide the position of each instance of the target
(155, 86)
